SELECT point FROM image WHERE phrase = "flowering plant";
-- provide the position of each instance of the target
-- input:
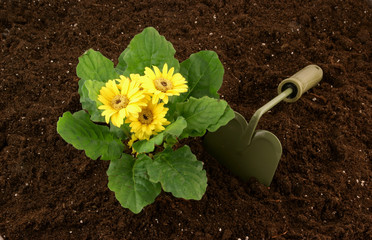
(135, 113)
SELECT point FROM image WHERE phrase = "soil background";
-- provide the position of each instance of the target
(322, 188)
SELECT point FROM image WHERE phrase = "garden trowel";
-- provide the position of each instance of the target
(248, 152)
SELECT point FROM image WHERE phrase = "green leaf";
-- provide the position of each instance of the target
(204, 74)
(83, 134)
(179, 172)
(176, 128)
(145, 146)
(122, 133)
(224, 119)
(172, 131)
(94, 66)
(170, 141)
(122, 65)
(128, 178)
(171, 105)
(149, 49)
(200, 114)
(89, 91)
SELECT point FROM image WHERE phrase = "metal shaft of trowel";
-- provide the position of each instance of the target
(257, 115)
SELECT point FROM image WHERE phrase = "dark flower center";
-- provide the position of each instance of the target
(163, 85)
(146, 116)
(119, 102)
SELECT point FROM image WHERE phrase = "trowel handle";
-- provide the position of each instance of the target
(301, 81)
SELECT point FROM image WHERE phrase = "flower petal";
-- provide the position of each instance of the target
(165, 70)
(117, 120)
(157, 72)
(149, 73)
(125, 86)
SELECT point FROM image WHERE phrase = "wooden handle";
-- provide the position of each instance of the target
(301, 81)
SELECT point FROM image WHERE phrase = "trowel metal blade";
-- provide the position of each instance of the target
(259, 159)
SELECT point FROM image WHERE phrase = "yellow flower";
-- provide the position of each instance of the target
(163, 84)
(133, 78)
(149, 121)
(132, 140)
(139, 81)
(120, 100)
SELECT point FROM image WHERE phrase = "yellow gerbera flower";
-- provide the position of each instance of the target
(138, 79)
(120, 100)
(163, 84)
(150, 121)
(132, 140)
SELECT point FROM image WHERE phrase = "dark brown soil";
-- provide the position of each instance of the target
(322, 188)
